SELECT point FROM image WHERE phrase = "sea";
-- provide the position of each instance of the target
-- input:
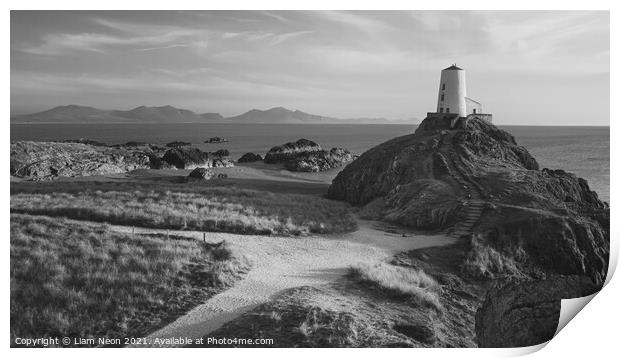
(580, 150)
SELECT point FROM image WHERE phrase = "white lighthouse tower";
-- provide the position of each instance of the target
(452, 97)
(452, 91)
(452, 100)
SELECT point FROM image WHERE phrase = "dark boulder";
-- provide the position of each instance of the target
(250, 158)
(186, 158)
(521, 314)
(201, 173)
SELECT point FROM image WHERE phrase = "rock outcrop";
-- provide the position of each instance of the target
(221, 162)
(319, 161)
(307, 156)
(521, 314)
(49, 160)
(542, 222)
(187, 158)
(290, 150)
(201, 174)
(216, 140)
(250, 158)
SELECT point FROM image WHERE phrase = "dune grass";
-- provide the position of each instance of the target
(483, 262)
(399, 282)
(77, 280)
(211, 209)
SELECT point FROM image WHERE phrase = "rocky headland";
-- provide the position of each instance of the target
(514, 221)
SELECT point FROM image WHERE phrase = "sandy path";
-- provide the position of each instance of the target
(284, 262)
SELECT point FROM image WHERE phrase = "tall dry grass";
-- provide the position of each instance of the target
(483, 261)
(76, 280)
(399, 281)
(214, 209)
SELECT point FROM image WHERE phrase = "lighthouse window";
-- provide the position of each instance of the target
(447, 110)
(443, 86)
(440, 109)
(442, 96)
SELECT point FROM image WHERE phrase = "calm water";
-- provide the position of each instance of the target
(581, 150)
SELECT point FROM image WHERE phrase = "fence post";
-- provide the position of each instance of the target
(204, 237)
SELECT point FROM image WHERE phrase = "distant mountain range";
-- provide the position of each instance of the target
(169, 114)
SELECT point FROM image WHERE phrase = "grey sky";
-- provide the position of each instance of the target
(525, 67)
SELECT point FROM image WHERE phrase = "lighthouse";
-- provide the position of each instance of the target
(452, 97)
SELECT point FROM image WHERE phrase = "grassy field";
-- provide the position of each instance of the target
(81, 280)
(219, 209)
(399, 281)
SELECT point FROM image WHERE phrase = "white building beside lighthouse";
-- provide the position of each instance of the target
(452, 96)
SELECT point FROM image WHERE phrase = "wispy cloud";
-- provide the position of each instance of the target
(164, 47)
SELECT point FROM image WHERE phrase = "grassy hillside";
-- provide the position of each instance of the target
(77, 280)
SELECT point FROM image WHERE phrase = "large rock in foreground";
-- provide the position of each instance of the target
(524, 314)
(49, 160)
(307, 156)
(526, 221)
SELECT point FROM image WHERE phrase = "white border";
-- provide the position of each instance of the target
(592, 332)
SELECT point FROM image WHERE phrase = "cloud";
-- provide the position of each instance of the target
(278, 39)
(148, 37)
(337, 61)
(164, 47)
(355, 20)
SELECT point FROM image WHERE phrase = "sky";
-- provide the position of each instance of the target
(525, 67)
